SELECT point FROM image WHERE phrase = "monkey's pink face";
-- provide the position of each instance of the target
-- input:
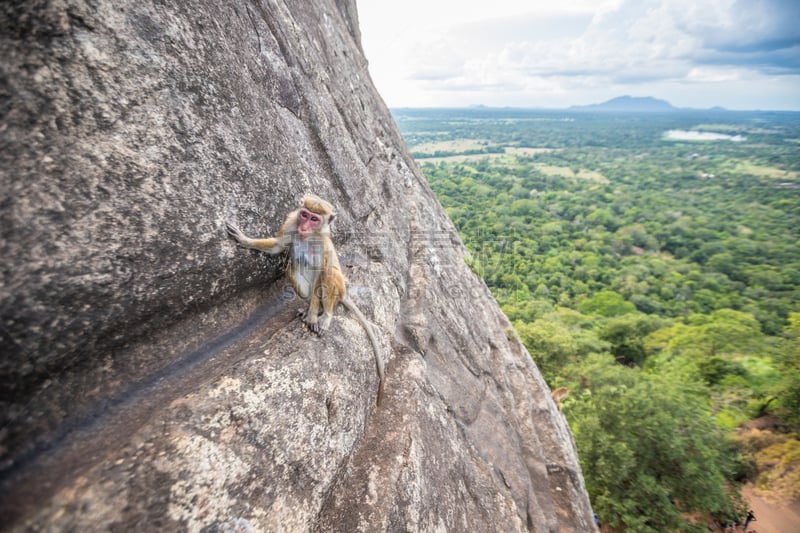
(309, 223)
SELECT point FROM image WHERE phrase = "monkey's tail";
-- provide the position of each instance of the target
(371, 334)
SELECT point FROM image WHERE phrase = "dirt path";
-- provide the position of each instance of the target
(772, 517)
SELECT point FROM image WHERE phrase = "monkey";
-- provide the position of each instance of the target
(559, 395)
(313, 268)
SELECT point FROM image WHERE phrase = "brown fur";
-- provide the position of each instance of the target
(313, 270)
(559, 395)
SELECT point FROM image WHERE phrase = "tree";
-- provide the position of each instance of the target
(727, 331)
(627, 333)
(714, 369)
(649, 449)
(606, 303)
(722, 332)
(550, 343)
(789, 361)
(557, 338)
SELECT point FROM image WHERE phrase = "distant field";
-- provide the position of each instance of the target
(457, 145)
(734, 128)
(462, 145)
(696, 135)
(746, 167)
(528, 151)
(458, 148)
(567, 172)
(458, 158)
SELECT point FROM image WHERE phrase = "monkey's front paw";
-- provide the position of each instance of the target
(319, 326)
(235, 233)
(325, 321)
(312, 325)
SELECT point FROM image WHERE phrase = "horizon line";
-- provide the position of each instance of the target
(591, 107)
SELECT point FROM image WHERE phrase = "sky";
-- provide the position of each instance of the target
(738, 54)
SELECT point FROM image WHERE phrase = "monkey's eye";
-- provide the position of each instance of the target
(311, 217)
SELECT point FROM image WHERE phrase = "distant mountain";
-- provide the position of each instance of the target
(629, 103)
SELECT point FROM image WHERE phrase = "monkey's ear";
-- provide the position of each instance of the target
(331, 217)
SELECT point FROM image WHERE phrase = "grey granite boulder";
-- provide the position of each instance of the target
(153, 375)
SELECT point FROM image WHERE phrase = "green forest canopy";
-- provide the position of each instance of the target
(655, 277)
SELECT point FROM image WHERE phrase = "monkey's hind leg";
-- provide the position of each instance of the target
(333, 291)
(311, 316)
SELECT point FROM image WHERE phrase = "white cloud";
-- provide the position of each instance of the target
(714, 75)
(539, 53)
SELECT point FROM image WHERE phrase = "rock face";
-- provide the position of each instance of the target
(153, 374)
